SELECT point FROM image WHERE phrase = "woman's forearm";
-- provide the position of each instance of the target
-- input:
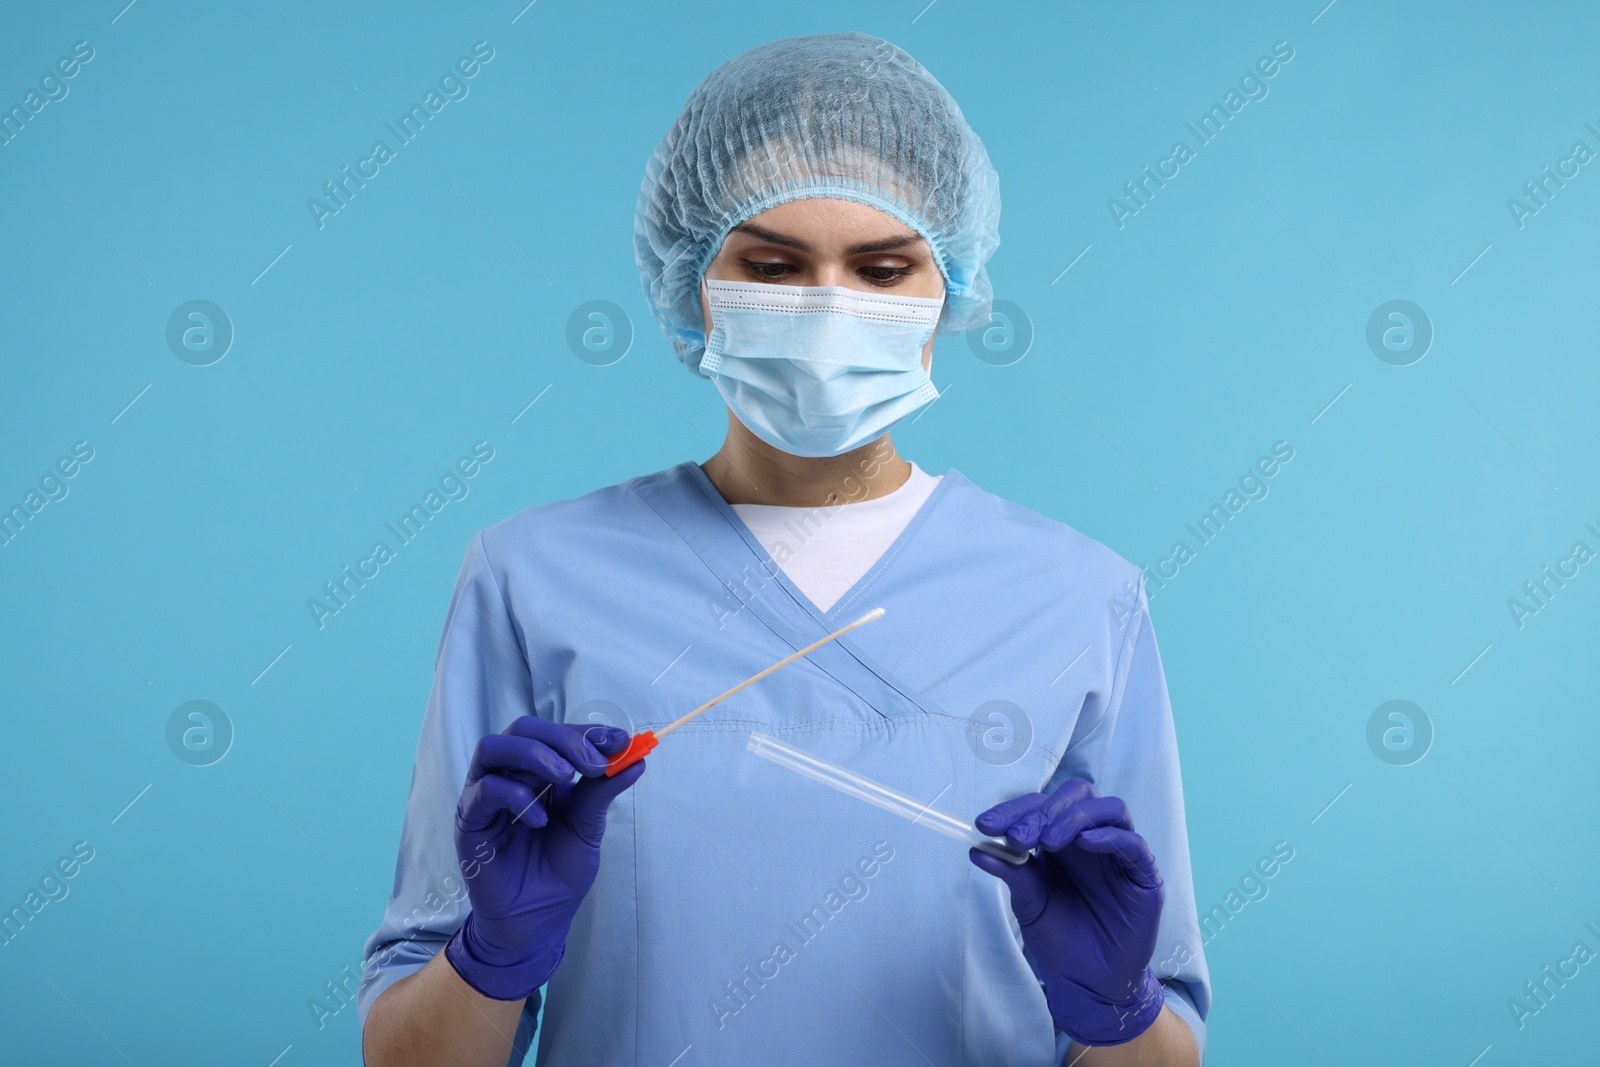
(1167, 1043)
(434, 1018)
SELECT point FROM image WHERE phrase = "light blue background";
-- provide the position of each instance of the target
(429, 312)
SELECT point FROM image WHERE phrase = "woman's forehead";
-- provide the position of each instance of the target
(827, 224)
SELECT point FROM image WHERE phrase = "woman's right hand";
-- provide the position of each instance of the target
(528, 841)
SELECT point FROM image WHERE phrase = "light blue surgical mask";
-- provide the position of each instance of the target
(818, 370)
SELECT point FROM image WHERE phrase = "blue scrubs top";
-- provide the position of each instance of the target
(742, 910)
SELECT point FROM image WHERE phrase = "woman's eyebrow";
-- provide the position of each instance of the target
(772, 237)
(886, 244)
(883, 244)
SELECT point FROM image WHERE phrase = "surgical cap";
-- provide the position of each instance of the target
(842, 115)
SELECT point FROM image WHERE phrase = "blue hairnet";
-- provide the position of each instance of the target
(840, 115)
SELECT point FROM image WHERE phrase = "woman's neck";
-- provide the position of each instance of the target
(747, 470)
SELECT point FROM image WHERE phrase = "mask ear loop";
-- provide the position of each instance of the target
(704, 295)
(710, 326)
(933, 333)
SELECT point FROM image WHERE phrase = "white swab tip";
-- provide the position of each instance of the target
(872, 616)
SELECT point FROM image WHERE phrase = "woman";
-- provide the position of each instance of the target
(818, 209)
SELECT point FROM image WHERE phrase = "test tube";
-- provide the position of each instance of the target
(879, 795)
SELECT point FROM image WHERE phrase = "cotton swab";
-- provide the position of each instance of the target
(644, 742)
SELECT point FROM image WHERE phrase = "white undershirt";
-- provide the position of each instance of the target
(826, 550)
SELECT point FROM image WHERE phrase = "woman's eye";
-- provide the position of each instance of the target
(884, 275)
(767, 271)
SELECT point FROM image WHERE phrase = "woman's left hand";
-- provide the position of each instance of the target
(1089, 904)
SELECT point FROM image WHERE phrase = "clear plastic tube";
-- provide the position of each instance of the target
(879, 795)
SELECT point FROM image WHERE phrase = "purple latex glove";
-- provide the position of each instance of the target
(1089, 904)
(528, 839)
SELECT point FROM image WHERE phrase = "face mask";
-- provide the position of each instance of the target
(818, 370)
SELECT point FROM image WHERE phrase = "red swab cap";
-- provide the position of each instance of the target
(640, 745)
